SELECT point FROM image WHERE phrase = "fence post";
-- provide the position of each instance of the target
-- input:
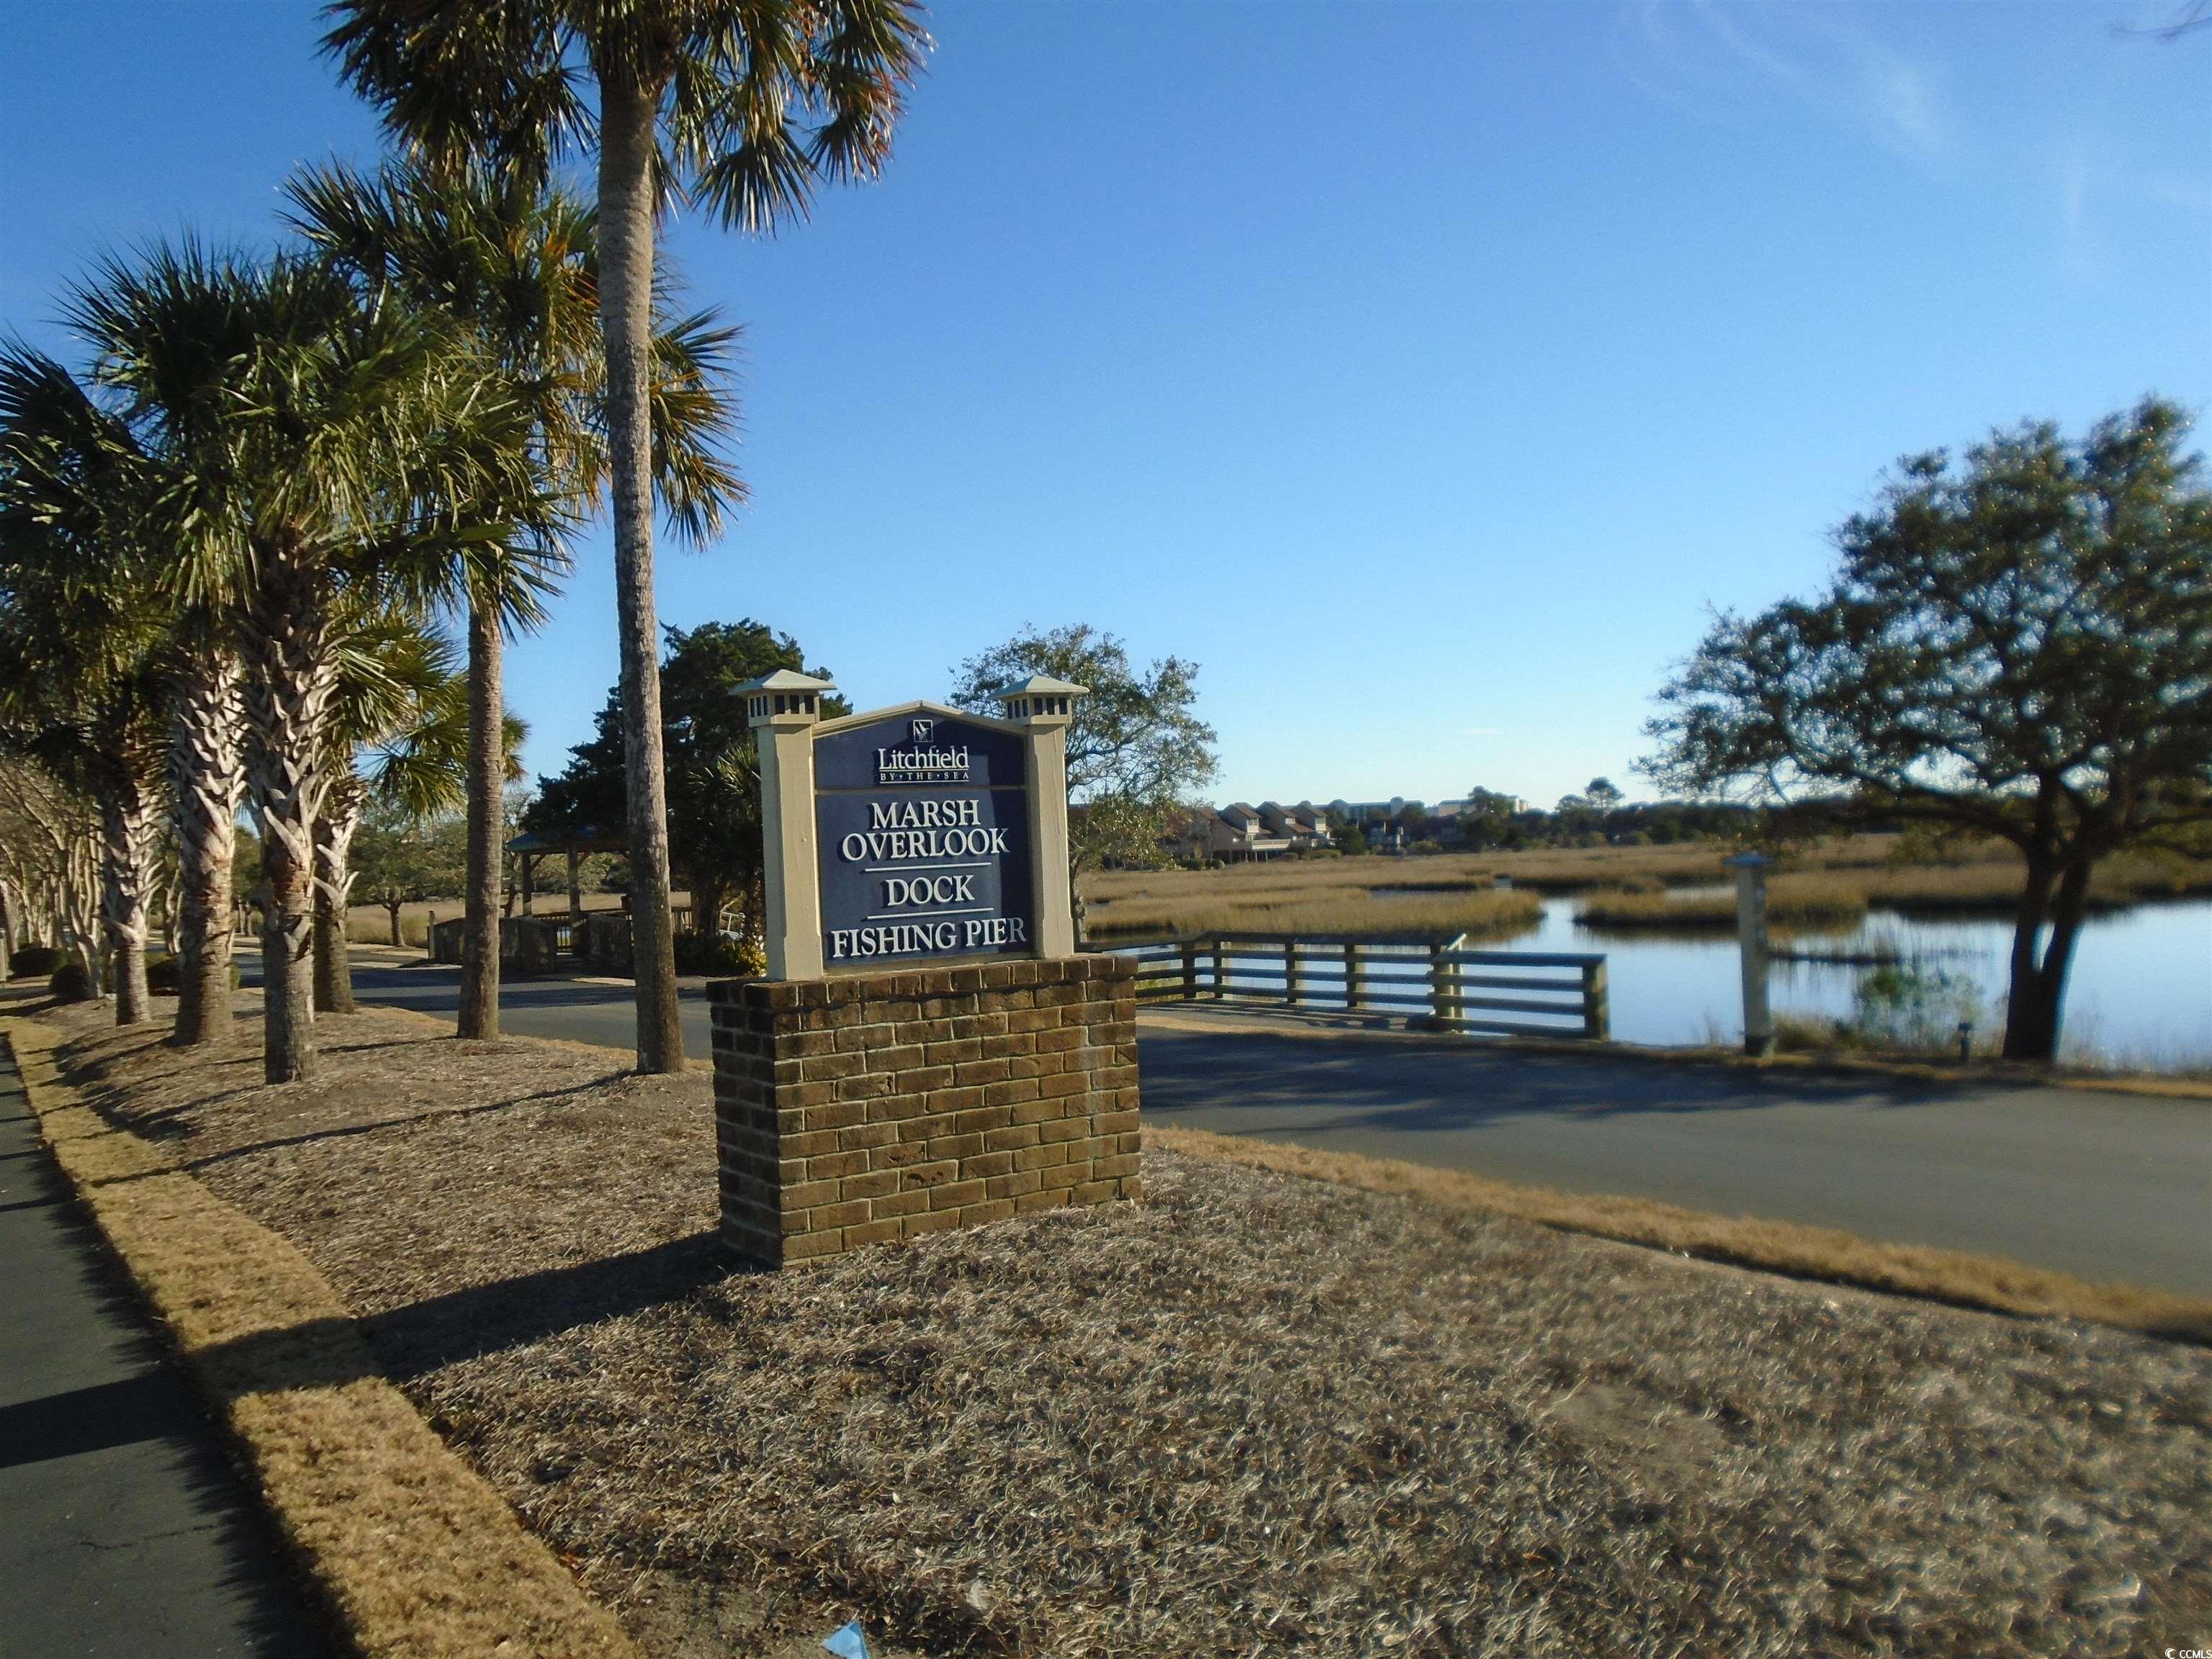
(1439, 985)
(1290, 986)
(429, 937)
(1597, 1012)
(1221, 984)
(1355, 984)
(1189, 971)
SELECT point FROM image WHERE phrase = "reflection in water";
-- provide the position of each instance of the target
(2140, 993)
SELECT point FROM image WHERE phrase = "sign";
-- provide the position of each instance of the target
(922, 840)
(913, 833)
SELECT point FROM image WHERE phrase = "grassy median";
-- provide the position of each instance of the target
(1258, 1414)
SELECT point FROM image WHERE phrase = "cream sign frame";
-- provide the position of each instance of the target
(936, 836)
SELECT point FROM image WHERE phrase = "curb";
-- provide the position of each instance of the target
(418, 1555)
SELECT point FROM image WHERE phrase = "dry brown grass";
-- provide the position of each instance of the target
(1316, 908)
(1992, 888)
(1806, 903)
(1256, 1414)
(417, 1556)
(371, 924)
(1958, 1277)
(1842, 877)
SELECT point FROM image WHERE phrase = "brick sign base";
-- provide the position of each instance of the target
(862, 1110)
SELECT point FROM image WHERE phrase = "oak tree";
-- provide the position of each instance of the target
(2018, 644)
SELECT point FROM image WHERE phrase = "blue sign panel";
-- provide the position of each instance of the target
(921, 821)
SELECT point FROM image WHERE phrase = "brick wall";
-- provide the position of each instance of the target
(861, 1111)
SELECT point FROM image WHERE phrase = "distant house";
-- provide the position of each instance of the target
(1305, 826)
(1240, 832)
(1390, 826)
(1366, 813)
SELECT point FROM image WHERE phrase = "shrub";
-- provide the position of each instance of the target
(71, 983)
(165, 975)
(35, 962)
(717, 953)
(1900, 1007)
(1803, 1034)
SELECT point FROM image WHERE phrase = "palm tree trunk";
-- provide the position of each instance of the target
(486, 784)
(625, 230)
(289, 677)
(707, 906)
(207, 771)
(126, 823)
(334, 831)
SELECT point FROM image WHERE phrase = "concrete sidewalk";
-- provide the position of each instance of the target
(123, 1531)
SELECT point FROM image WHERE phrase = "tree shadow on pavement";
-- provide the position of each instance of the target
(1423, 1090)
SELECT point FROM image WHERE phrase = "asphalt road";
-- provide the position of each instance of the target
(2105, 1186)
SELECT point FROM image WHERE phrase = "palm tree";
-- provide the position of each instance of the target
(515, 264)
(361, 454)
(397, 684)
(748, 105)
(50, 860)
(169, 430)
(88, 693)
(207, 785)
(400, 732)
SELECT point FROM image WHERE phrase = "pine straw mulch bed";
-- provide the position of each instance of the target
(1253, 1415)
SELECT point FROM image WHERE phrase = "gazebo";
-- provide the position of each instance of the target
(533, 844)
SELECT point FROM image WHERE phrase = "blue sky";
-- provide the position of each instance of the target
(1423, 371)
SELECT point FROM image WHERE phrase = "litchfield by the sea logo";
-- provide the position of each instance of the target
(924, 760)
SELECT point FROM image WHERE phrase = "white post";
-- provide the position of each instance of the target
(1044, 708)
(1046, 736)
(1752, 942)
(781, 710)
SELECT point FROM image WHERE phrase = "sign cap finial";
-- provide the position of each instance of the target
(1042, 697)
(786, 696)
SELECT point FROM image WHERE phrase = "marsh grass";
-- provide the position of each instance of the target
(1829, 883)
(1801, 903)
(371, 924)
(1352, 912)
(1992, 887)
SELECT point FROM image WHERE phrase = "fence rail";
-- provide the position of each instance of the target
(1435, 981)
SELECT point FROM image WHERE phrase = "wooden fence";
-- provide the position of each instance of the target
(1433, 981)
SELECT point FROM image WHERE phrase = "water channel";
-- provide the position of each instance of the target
(2140, 995)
